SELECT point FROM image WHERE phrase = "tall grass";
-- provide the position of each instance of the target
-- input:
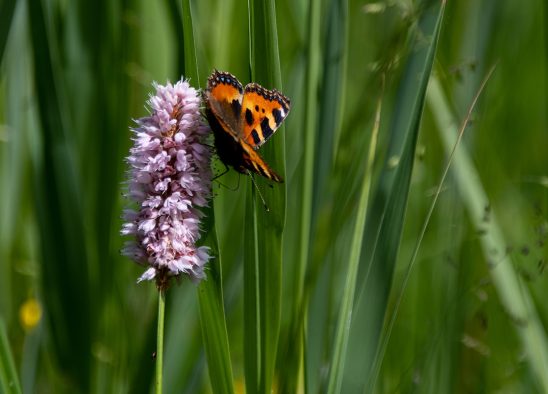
(304, 297)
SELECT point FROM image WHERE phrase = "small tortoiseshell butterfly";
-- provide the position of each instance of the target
(242, 119)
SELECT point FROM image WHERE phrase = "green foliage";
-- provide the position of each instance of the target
(9, 381)
(304, 297)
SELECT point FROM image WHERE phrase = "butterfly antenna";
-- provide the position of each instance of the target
(258, 191)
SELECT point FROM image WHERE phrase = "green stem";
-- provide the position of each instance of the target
(160, 341)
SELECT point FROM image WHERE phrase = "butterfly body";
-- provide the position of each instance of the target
(242, 119)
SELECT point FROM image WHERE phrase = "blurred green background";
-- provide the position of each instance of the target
(472, 316)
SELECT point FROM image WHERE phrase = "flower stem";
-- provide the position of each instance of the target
(160, 341)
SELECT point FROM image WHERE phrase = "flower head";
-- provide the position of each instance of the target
(169, 180)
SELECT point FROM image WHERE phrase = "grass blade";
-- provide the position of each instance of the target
(214, 331)
(212, 318)
(293, 352)
(60, 217)
(344, 319)
(210, 292)
(7, 9)
(514, 296)
(252, 317)
(332, 97)
(420, 238)
(9, 381)
(189, 48)
(263, 237)
(329, 111)
(178, 24)
(386, 216)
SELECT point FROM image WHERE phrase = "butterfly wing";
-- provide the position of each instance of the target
(252, 161)
(262, 112)
(224, 95)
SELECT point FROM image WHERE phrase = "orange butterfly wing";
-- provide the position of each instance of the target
(253, 162)
(224, 95)
(263, 111)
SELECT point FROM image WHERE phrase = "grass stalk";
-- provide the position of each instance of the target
(264, 230)
(514, 296)
(345, 317)
(9, 381)
(160, 342)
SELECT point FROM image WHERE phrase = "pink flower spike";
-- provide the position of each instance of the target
(169, 181)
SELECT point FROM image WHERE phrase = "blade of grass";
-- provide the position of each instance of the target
(329, 125)
(212, 317)
(263, 236)
(252, 317)
(174, 12)
(514, 296)
(332, 97)
(14, 156)
(312, 80)
(386, 215)
(210, 292)
(18, 229)
(345, 317)
(30, 359)
(223, 20)
(292, 357)
(65, 276)
(160, 343)
(7, 9)
(189, 47)
(102, 141)
(9, 381)
(185, 362)
(414, 255)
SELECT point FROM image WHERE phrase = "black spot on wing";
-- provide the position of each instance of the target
(277, 116)
(255, 135)
(265, 128)
(248, 117)
(236, 108)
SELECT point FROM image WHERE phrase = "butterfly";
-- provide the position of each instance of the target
(242, 119)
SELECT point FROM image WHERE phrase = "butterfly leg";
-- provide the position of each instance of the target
(215, 179)
(222, 173)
